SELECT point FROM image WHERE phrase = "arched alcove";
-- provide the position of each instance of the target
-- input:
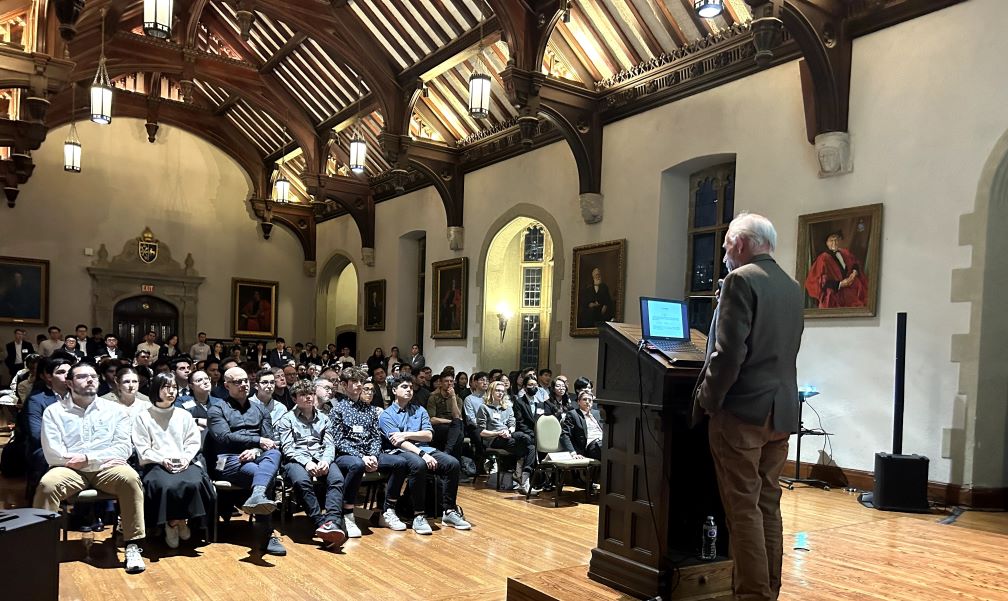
(337, 304)
(518, 273)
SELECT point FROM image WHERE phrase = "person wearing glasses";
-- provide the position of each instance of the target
(176, 486)
(87, 442)
(358, 447)
(408, 432)
(266, 380)
(242, 448)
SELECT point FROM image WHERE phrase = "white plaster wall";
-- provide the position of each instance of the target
(343, 303)
(192, 196)
(926, 109)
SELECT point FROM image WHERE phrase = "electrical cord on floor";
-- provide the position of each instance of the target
(642, 419)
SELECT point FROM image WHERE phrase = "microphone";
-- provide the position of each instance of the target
(720, 283)
(640, 344)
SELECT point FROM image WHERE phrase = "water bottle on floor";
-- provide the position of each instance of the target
(708, 552)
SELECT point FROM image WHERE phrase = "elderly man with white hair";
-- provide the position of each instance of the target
(749, 388)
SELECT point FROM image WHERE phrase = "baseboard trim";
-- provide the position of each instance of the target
(941, 492)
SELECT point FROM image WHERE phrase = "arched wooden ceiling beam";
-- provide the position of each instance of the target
(216, 130)
(132, 53)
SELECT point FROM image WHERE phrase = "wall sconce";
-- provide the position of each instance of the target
(503, 317)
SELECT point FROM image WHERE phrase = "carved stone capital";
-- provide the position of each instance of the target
(456, 237)
(310, 268)
(833, 152)
(591, 207)
(367, 256)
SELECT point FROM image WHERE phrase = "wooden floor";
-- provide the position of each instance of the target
(853, 553)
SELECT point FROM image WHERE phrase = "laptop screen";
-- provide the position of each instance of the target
(664, 319)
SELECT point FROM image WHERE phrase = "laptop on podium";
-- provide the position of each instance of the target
(665, 326)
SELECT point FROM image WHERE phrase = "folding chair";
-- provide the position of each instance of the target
(547, 429)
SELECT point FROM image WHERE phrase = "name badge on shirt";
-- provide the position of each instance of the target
(221, 462)
(358, 429)
(189, 404)
(540, 411)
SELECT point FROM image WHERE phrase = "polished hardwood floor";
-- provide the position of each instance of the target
(853, 553)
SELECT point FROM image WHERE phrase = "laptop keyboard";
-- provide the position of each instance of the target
(674, 346)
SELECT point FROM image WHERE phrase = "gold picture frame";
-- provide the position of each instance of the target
(450, 298)
(839, 254)
(24, 291)
(254, 308)
(591, 303)
(374, 306)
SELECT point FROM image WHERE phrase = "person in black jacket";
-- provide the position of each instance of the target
(279, 356)
(243, 450)
(17, 350)
(582, 433)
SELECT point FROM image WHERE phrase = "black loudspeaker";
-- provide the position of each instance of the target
(29, 540)
(901, 483)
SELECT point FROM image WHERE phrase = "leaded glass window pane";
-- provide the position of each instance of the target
(529, 354)
(531, 286)
(728, 206)
(535, 244)
(705, 203)
(701, 311)
(702, 269)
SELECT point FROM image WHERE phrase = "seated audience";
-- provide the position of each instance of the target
(557, 402)
(111, 348)
(376, 360)
(126, 392)
(71, 347)
(182, 366)
(217, 354)
(462, 385)
(479, 383)
(545, 378)
(107, 369)
(175, 483)
(582, 433)
(169, 350)
(281, 355)
(380, 381)
(242, 448)
(201, 350)
(309, 454)
(198, 405)
(446, 416)
(498, 430)
(323, 395)
(358, 446)
(266, 380)
(50, 386)
(87, 443)
(408, 431)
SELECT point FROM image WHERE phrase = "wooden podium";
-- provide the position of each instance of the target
(658, 481)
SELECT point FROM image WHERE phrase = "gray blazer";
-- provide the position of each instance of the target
(753, 346)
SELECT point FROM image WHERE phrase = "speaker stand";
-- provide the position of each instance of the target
(789, 483)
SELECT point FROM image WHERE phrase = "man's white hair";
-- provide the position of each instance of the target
(757, 229)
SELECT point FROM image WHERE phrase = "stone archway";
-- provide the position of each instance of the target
(128, 275)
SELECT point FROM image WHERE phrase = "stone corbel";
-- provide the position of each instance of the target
(367, 256)
(310, 268)
(834, 153)
(298, 218)
(456, 237)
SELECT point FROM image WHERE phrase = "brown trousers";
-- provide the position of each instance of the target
(748, 460)
(61, 483)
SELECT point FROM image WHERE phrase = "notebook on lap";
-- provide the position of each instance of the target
(665, 326)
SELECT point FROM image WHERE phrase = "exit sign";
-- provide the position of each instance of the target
(146, 287)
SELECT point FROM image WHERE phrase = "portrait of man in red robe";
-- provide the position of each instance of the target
(255, 314)
(836, 277)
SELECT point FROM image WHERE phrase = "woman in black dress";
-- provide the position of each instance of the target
(176, 486)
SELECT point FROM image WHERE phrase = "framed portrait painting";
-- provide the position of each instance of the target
(599, 274)
(374, 305)
(450, 298)
(254, 308)
(24, 291)
(838, 261)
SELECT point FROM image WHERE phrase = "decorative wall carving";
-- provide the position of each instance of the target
(125, 275)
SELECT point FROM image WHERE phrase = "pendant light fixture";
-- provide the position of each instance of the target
(101, 88)
(72, 145)
(157, 20)
(708, 9)
(358, 147)
(479, 85)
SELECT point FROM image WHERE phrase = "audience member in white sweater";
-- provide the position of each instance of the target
(175, 482)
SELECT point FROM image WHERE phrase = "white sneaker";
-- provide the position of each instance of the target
(184, 532)
(390, 520)
(452, 518)
(523, 484)
(134, 562)
(352, 531)
(420, 525)
(171, 536)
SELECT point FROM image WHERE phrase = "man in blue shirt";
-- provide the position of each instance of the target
(407, 428)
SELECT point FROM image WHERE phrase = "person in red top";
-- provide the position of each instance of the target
(836, 277)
